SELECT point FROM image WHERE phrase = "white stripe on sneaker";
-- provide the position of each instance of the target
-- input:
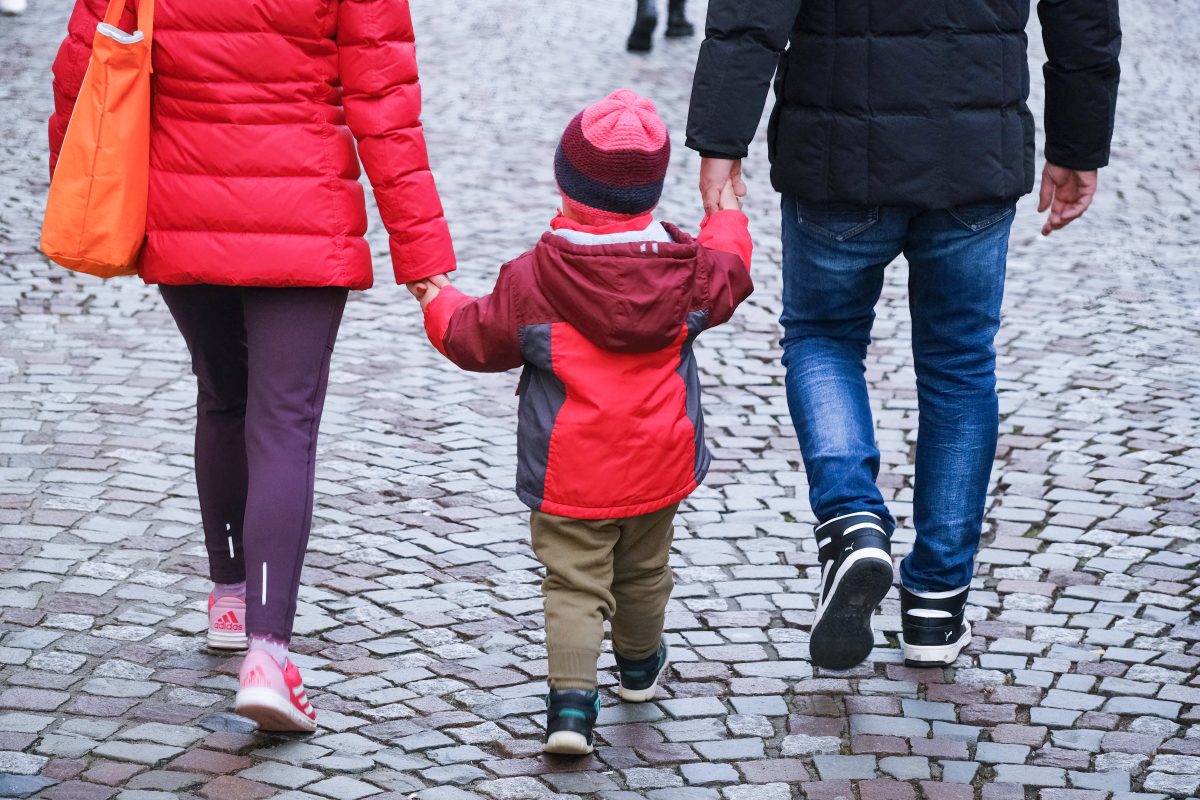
(937, 595)
(848, 516)
(860, 526)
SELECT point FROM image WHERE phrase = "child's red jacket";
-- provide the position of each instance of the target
(603, 321)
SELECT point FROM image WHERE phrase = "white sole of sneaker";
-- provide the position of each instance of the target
(642, 695)
(567, 743)
(916, 655)
(271, 712)
(842, 636)
(223, 640)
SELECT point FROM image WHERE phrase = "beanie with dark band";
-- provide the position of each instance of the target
(612, 160)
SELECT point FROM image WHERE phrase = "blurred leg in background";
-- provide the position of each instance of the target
(641, 39)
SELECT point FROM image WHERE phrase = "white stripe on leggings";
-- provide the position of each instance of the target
(264, 591)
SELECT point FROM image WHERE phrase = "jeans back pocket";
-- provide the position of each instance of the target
(977, 216)
(838, 221)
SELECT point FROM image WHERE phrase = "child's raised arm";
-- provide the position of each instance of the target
(480, 335)
(726, 234)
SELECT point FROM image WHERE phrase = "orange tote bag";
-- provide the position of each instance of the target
(96, 215)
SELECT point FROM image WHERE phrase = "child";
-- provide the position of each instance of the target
(602, 314)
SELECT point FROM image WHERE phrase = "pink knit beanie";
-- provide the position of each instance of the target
(613, 158)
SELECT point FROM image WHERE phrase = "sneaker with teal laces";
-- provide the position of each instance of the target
(639, 679)
(570, 716)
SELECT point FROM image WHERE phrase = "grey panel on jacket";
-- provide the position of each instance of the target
(542, 397)
(697, 322)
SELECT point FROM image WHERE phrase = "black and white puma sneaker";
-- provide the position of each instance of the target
(856, 573)
(933, 629)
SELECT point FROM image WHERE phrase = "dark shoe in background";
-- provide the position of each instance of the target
(641, 39)
(934, 630)
(570, 716)
(678, 26)
(856, 572)
(639, 679)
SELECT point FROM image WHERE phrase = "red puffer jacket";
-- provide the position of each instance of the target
(253, 168)
(603, 321)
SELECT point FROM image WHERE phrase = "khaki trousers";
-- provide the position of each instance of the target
(614, 569)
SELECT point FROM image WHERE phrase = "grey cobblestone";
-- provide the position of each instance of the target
(419, 624)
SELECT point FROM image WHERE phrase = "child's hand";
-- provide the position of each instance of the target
(430, 295)
(418, 288)
(427, 289)
(729, 200)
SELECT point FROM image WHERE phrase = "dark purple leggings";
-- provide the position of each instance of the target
(261, 359)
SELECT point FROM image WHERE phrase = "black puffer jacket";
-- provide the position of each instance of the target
(913, 103)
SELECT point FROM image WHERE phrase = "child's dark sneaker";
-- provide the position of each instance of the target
(856, 573)
(570, 715)
(639, 679)
(934, 631)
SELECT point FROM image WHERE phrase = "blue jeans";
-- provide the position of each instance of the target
(834, 259)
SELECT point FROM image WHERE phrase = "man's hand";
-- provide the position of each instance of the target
(427, 289)
(1067, 193)
(715, 173)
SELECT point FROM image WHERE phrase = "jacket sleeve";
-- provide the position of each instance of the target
(378, 66)
(726, 235)
(72, 62)
(480, 335)
(739, 56)
(1083, 41)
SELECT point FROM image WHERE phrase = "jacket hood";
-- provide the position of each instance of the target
(628, 298)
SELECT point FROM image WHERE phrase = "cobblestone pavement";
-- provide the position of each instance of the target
(420, 619)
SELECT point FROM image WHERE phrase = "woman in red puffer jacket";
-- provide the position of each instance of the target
(255, 235)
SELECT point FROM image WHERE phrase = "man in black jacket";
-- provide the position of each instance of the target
(901, 128)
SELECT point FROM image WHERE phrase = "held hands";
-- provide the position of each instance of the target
(717, 175)
(729, 199)
(427, 289)
(1067, 193)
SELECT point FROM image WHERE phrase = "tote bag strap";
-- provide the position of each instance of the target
(145, 15)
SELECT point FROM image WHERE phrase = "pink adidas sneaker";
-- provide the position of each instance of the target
(227, 623)
(273, 697)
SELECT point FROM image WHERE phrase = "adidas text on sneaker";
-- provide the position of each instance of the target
(639, 679)
(856, 572)
(227, 623)
(933, 628)
(273, 696)
(570, 716)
